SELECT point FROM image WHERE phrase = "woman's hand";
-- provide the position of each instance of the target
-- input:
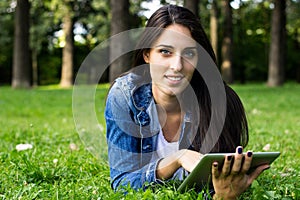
(233, 180)
(185, 158)
(188, 159)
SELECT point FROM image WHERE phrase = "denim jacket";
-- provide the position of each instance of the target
(132, 131)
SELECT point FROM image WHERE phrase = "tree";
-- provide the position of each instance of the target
(192, 5)
(70, 11)
(293, 32)
(214, 26)
(119, 22)
(41, 25)
(6, 41)
(226, 66)
(68, 50)
(21, 77)
(278, 45)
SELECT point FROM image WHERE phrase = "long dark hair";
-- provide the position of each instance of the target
(235, 129)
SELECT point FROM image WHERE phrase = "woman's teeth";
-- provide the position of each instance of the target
(174, 78)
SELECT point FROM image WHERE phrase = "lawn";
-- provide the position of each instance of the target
(59, 166)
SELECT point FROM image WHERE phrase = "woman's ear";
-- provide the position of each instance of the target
(146, 56)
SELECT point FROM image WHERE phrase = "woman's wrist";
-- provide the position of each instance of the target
(168, 166)
(178, 156)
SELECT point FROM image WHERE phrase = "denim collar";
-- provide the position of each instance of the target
(142, 96)
(139, 91)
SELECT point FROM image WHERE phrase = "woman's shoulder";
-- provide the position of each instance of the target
(133, 88)
(129, 82)
(126, 81)
(125, 85)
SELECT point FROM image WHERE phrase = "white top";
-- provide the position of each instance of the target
(164, 149)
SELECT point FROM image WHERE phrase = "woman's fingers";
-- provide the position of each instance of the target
(238, 159)
(227, 165)
(188, 159)
(225, 168)
(247, 162)
(215, 170)
(237, 165)
(233, 179)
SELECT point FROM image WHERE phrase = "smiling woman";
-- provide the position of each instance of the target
(160, 116)
(172, 61)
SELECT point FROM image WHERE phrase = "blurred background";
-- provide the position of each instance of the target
(44, 42)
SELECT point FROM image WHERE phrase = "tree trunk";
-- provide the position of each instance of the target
(226, 67)
(278, 45)
(34, 68)
(119, 23)
(214, 26)
(297, 47)
(21, 76)
(68, 52)
(192, 5)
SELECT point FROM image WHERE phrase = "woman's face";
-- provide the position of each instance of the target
(172, 58)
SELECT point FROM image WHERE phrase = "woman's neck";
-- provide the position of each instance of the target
(169, 114)
(169, 103)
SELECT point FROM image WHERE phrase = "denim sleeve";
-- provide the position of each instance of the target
(129, 165)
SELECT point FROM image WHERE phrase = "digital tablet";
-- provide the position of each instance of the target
(201, 175)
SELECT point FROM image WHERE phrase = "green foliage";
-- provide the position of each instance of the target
(251, 41)
(59, 167)
(293, 17)
(50, 66)
(6, 40)
(40, 26)
(251, 34)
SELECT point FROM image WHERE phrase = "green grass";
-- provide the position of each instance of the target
(274, 119)
(53, 170)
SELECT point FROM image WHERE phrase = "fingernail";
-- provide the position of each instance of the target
(249, 153)
(229, 157)
(215, 164)
(240, 150)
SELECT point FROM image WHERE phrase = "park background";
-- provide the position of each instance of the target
(44, 42)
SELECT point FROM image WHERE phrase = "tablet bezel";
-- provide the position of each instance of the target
(201, 175)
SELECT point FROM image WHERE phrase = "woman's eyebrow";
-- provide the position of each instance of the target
(190, 48)
(171, 47)
(164, 45)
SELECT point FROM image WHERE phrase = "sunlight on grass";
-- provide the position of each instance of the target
(59, 166)
(274, 122)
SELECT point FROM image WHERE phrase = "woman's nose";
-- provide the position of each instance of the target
(176, 63)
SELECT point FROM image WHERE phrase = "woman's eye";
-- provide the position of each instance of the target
(189, 54)
(165, 52)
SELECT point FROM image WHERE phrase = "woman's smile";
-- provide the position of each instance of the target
(174, 79)
(172, 60)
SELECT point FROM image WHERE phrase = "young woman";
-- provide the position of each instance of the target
(159, 114)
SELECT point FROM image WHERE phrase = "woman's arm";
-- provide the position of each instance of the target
(185, 158)
(130, 163)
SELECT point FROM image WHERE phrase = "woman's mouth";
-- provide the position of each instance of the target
(174, 79)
